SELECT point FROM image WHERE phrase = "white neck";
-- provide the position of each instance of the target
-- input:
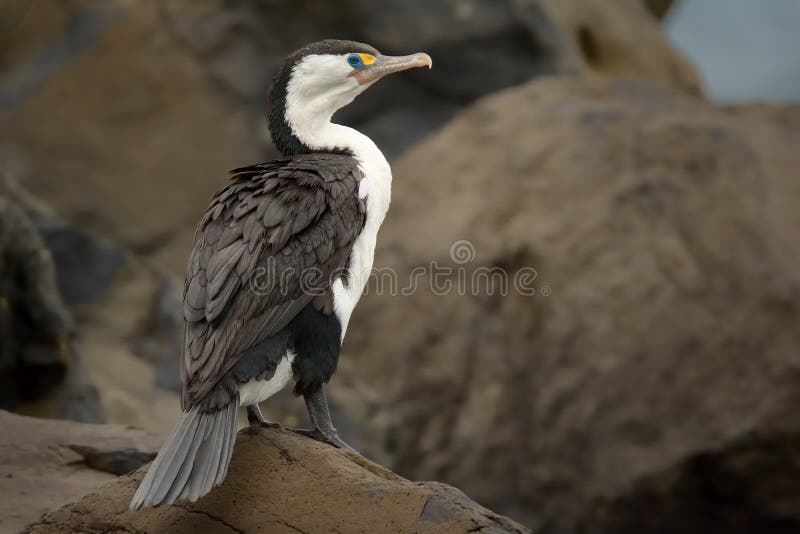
(319, 86)
(310, 121)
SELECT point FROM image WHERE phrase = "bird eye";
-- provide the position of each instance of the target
(354, 60)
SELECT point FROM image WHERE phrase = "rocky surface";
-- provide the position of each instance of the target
(45, 464)
(36, 327)
(652, 379)
(37, 331)
(118, 111)
(282, 482)
(620, 39)
(89, 332)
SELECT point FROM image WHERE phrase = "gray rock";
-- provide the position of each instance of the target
(36, 329)
(52, 272)
(85, 264)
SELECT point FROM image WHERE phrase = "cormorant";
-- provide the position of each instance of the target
(280, 260)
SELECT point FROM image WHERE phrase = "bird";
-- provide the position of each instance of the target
(280, 259)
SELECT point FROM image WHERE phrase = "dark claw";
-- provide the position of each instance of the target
(256, 419)
(265, 424)
(329, 438)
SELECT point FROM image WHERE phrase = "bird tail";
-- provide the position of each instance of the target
(193, 460)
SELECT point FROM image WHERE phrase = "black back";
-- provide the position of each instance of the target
(282, 135)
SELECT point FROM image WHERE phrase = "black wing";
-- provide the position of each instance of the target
(271, 224)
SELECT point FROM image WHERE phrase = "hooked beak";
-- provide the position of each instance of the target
(384, 65)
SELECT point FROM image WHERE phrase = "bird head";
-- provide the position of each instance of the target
(319, 79)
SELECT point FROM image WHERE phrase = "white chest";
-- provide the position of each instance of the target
(375, 189)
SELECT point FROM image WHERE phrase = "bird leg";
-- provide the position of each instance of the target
(317, 404)
(256, 419)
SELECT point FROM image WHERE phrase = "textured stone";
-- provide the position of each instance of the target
(282, 482)
(45, 463)
(621, 39)
(82, 322)
(36, 328)
(655, 369)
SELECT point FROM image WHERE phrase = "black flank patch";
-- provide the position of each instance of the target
(316, 339)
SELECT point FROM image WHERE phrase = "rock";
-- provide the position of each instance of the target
(133, 154)
(659, 8)
(282, 482)
(42, 469)
(128, 319)
(86, 265)
(76, 302)
(37, 356)
(11, 14)
(116, 462)
(641, 372)
(129, 165)
(622, 39)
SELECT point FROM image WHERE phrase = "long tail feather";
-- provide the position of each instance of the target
(193, 460)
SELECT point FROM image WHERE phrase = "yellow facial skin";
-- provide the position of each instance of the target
(367, 59)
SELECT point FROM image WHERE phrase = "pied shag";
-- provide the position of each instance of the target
(315, 210)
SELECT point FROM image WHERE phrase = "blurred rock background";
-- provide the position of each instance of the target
(651, 381)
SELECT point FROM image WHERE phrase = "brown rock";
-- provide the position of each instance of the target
(37, 331)
(35, 326)
(282, 482)
(46, 463)
(81, 322)
(623, 39)
(659, 8)
(656, 366)
(121, 108)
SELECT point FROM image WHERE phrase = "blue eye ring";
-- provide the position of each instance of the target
(354, 60)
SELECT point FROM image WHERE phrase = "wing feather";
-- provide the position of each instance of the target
(272, 222)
